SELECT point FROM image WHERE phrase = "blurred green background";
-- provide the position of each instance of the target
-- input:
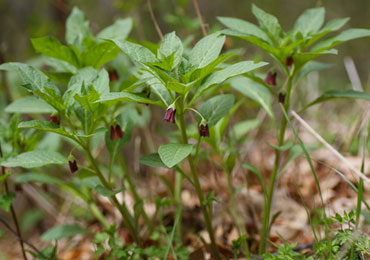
(22, 19)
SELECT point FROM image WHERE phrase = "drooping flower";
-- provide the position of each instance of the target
(73, 166)
(54, 119)
(289, 61)
(271, 78)
(170, 114)
(203, 130)
(116, 132)
(281, 98)
(113, 75)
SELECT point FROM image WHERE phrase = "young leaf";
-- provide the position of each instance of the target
(255, 91)
(30, 105)
(172, 154)
(152, 160)
(206, 50)
(268, 22)
(338, 94)
(34, 159)
(171, 44)
(77, 28)
(64, 231)
(119, 30)
(222, 75)
(37, 177)
(6, 201)
(135, 51)
(51, 47)
(216, 108)
(310, 21)
(45, 126)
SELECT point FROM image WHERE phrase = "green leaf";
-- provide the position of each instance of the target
(77, 28)
(37, 177)
(334, 24)
(222, 75)
(171, 44)
(152, 160)
(34, 159)
(310, 67)
(106, 192)
(125, 96)
(6, 201)
(331, 94)
(282, 148)
(45, 126)
(119, 30)
(180, 87)
(244, 27)
(5, 176)
(300, 59)
(267, 22)
(310, 21)
(344, 36)
(135, 51)
(206, 50)
(29, 105)
(255, 91)
(242, 128)
(172, 154)
(216, 108)
(63, 231)
(96, 54)
(51, 47)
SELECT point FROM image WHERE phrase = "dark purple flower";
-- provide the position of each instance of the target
(54, 119)
(113, 75)
(204, 130)
(73, 166)
(170, 115)
(289, 61)
(116, 132)
(271, 78)
(281, 98)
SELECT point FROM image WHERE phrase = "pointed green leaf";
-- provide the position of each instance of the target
(135, 51)
(96, 54)
(152, 160)
(63, 231)
(310, 21)
(37, 177)
(119, 30)
(125, 96)
(216, 108)
(34, 159)
(45, 126)
(51, 47)
(171, 44)
(77, 28)
(106, 192)
(267, 21)
(206, 50)
(310, 67)
(255, 91)
(29, 105)
(172, 154)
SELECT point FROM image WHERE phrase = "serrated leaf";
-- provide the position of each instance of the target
(63, 231)
(206, 50)
(344, 36)
(34, 159)
(152, 160)
(331, 94)
(51, 47)
(222, 75)
(244, 27)
(135, 51)
(119, 30)
(216, 108)
(77, 28)
(267, 21)
(37, 177)
(255, 91)
(310, 21)
(172, 154)
(106, 192)
(45, 126)
(30, 105)
(6, 201)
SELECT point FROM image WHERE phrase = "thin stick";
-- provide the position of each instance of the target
(160, 34)
(197, 10)
(14, 216)
(329, 147)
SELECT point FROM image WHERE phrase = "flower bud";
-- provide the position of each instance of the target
(54, 119)
(73, 166)
(281, 98)
(116, 132)
(170, 115)
(113, 75)
(271, 78)
(289, 61)
(203, 130)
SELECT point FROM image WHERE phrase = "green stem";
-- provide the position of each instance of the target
(178, 189)
(198, 188)
(265, 231)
